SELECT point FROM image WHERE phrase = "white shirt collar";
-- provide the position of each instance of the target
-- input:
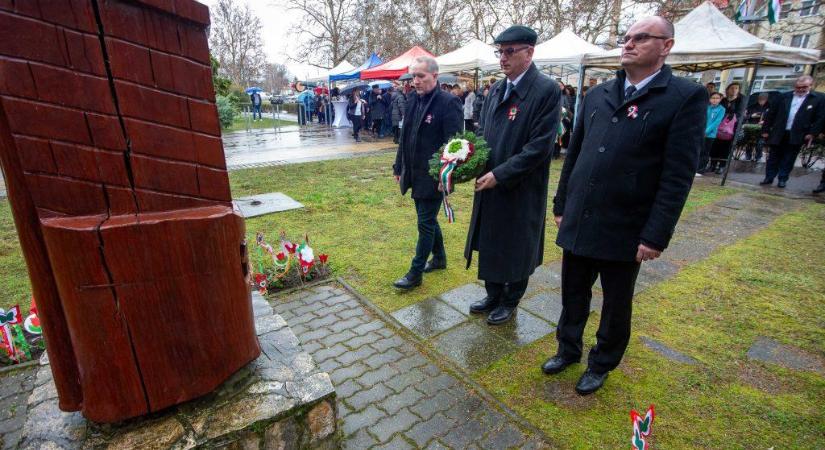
(640, 84)
(518, 78)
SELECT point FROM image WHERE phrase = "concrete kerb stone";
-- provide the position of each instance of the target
(444, 363)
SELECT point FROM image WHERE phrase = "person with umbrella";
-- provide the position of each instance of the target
(255, 98)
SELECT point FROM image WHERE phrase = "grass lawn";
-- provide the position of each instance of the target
(354, 212)
(240, 124)
(770, 284)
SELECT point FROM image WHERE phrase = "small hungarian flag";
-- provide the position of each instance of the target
(774, 6)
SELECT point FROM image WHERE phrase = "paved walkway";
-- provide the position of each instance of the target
(389, 394)
(257, 148)
(466, 339)
(15, 388)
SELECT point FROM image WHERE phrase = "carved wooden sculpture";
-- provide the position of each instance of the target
(111, 150)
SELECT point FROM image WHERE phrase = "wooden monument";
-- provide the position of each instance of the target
(110, 146)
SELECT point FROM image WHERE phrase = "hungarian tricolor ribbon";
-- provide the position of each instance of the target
(7, 319)
(456, 152)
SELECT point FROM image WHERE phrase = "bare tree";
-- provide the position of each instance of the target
(235, 42)
(275, 77)
(328, 32)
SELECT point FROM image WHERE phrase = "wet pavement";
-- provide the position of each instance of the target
(447, 326)
(292, 144)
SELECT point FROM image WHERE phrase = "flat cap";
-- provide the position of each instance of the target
(517, 33)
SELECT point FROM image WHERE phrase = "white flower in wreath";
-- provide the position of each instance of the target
(457, 150)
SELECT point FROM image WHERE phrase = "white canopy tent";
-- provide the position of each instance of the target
(475, 55)
(343, 66)
(707, 40)
(565, 48)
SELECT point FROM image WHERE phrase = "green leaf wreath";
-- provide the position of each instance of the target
(470, 169)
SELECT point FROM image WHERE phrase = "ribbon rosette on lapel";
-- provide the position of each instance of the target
(429, 118)
(512, 113)
(632, 111)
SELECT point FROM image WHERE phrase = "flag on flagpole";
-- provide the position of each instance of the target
(774, 6)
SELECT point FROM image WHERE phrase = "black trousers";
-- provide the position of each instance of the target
(430, 239)
(781, 159)
(578, 273)
(469, 125)
(508, 294)
(704, 155)
(356, 126)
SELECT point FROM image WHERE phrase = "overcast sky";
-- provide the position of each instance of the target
(278, 43)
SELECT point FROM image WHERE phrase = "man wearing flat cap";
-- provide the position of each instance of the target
(518, 119)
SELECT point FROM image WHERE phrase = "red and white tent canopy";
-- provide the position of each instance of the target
(394, 68)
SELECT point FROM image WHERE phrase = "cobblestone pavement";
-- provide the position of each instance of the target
(389, 394)
(15, 388)
(469, 342)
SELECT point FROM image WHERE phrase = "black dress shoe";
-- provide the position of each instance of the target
(819, 189)
(555, 365)
(484, 305)
(590, 382)
(434, 265)
(501, 314)
(782, 184)
(765, 181)
(408, 282)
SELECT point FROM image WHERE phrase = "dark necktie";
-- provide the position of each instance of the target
(628, 93)
(507, 90)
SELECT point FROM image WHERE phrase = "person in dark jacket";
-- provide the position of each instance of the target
(377, 110)
(432, 118)
(519, 121)
(792, 122)
(755, 115)
(398, 106)
(255, 98)
(356, 111)
(721, 148)
(628, 171)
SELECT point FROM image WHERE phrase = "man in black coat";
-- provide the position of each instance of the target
(793, 121)
(627, 174)
(431, 119)
(519, 119)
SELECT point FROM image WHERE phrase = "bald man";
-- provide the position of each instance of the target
(791, 122)
(628, 171)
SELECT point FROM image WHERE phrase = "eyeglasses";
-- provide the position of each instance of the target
(639, 38)
(509, 51)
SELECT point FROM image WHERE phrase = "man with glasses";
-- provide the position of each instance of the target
(628, 171)
(431, 119)
(518, 119)
(791, 123)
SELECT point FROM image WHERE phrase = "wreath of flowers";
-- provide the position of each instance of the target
(291, 263)
(462, 144)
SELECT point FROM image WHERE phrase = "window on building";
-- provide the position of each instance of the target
(785, 10)
(777, 40)
(800, 40)
(808, 8)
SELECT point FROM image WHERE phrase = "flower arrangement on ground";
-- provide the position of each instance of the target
(460, 160)
(286, 266)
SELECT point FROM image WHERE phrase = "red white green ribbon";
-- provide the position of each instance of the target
(446, 177)
(642, 427)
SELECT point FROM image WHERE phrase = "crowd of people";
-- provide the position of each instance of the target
(793, 120)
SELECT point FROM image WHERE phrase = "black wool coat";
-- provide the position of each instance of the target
(808, 119)
(507, 225)
(422, 136)
(625, 179)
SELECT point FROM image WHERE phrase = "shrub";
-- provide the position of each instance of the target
(226, 111)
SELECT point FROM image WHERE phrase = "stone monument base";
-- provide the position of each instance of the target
(279, 401)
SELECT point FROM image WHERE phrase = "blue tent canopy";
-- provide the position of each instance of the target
(355, 73)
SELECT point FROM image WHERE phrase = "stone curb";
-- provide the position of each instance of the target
(445, 363)
(16, 367)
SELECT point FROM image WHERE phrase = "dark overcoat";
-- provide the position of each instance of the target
(507, 225)
(378, 106)
(808, 119)
(423, 135)
(630, 166)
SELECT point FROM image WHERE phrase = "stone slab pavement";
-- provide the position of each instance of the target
(446, 324)
(15, 388)
(390, 395)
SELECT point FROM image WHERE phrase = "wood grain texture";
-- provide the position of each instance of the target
(109, 142)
